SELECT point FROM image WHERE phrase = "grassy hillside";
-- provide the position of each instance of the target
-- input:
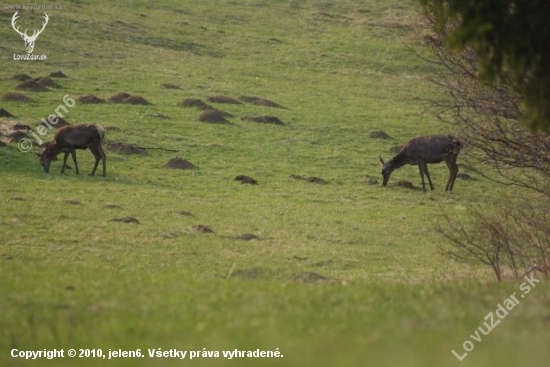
(342, 273)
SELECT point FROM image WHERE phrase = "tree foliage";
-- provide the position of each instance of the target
(511, 39)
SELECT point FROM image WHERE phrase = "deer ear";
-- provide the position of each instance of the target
(381, 160)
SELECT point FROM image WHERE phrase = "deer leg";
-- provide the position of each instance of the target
(428, 175)
(99, 155)
(453, 171)
(64, 162)
(103, 158)
(421, 169)
(73, 154)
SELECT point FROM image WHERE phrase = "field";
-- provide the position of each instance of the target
(345, 273)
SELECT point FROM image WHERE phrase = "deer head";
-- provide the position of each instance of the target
(29, 40)
(386, 171)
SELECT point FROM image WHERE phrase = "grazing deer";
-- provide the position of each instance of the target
(424, 150)
(72, 137)
(29, 40)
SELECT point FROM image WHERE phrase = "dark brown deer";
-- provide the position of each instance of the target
(424, 150)
(72, 137)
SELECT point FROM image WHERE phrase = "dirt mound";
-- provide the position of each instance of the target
(136, 100)
(371, 181)
(213, 116)
(260, 101)
(247, 237)
(21, 77)
(123, 97)
(14, 97)
(46, 82)
(263, 120)
(123, 148)
(405, 184)
(57, 74)
(19, 126)
(4, 113)
(31, 85)
(179, 163)
(190, 102)
(246, 179)
(185, 213)
(222, 99)
(201, 228)
(60, 123)
(311, 179)
(310, 277)
(379, 135)
(90, 99)
(119, 97)
(465, 177)
(125, 220)
(396, 149)
(170, 86)
(112, 128)
(17, 135)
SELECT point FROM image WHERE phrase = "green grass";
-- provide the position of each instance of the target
(72, 278)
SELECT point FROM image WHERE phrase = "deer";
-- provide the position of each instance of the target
(423, 150)
(29, 40)
(72, 137)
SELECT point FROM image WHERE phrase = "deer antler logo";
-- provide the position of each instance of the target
(29, 40)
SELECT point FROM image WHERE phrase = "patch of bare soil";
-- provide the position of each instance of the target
(123, 148)
(379, 135)
(213, 116)
(4, 113)
(14, 97)
(112, 128)
(371, 181)
(46, 82)
(170, 86)
(247, 237)
(57, 74)
(21, 77)
(123, 97)
(19, 126)
(191, 102)
(179, 163)
(31, 85)
(112, 206)
(17, 198)
(311, 179)
(90, 99)
(201, 228)
(310, 277)
(263, 120)
(405, 184)
(260, 101)
(185, 213)
(222, 99)
(246, 180)
(13, 131)
(125, 220)
(72, 202)
(465, 176)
